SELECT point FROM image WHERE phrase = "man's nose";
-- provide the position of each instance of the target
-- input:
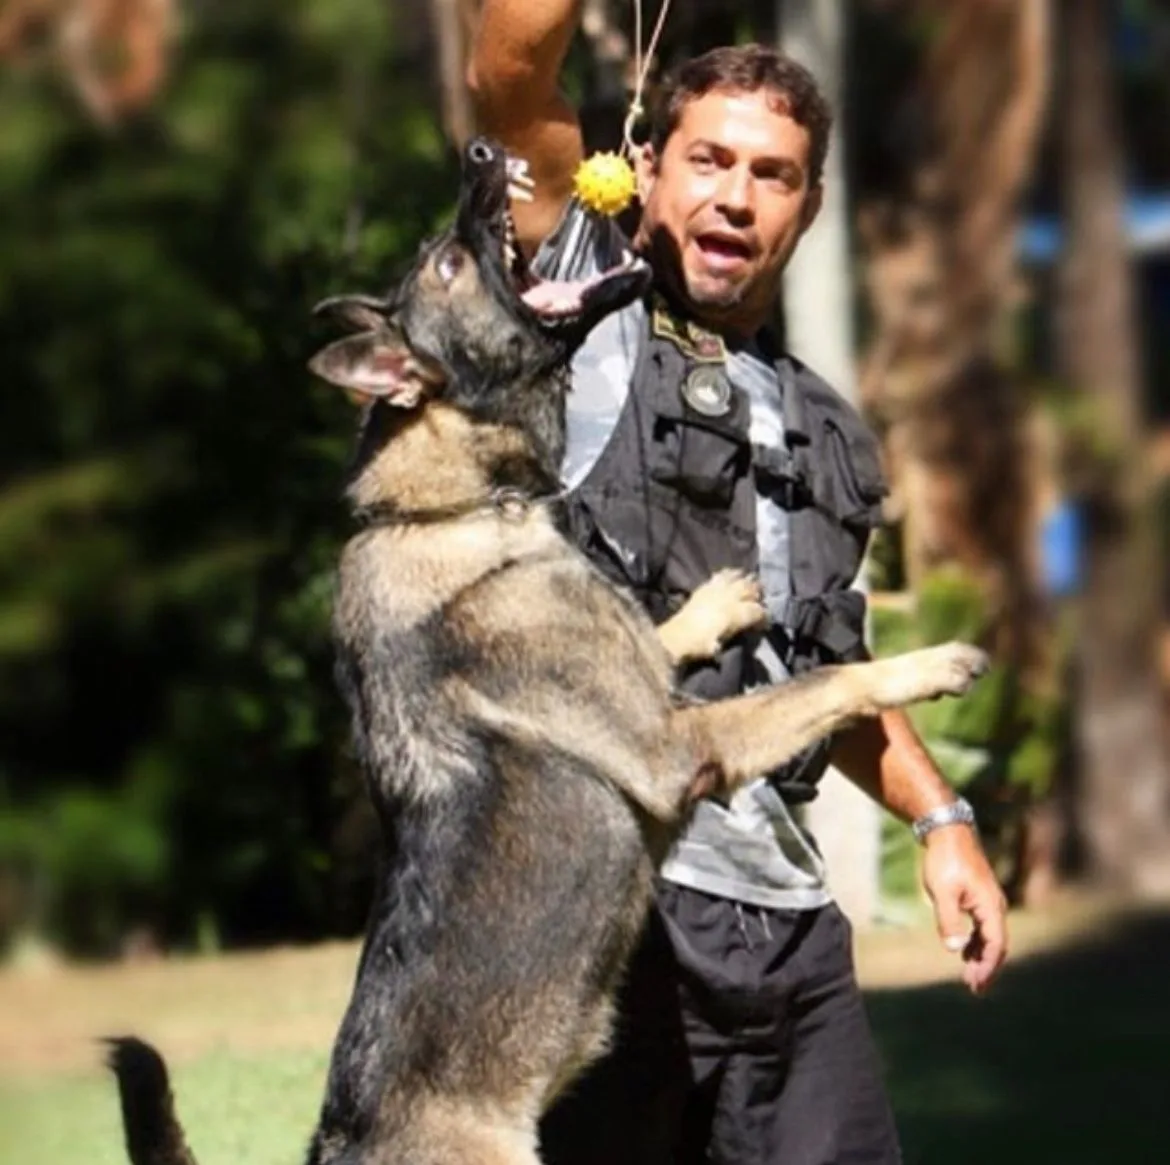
(736, 195)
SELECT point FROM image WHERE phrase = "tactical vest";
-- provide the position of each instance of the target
(672, 499)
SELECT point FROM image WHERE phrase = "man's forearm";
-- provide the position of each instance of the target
(885, 758)
(514, 76)
(521, 45)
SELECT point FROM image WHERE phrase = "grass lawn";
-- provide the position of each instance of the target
(1065, 1063)
(247, 1038)
(253, 1108)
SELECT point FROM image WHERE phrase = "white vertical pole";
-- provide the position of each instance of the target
(818, 312)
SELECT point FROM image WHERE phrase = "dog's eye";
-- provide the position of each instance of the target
(449, 264)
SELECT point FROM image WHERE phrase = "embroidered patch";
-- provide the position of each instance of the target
(690, 339)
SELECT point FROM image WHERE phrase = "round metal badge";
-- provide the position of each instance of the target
(708, 391)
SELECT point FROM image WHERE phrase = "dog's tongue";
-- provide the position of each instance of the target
(556, 297)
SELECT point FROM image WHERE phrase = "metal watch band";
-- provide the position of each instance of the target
(958, 812)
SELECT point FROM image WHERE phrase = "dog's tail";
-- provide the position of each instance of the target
(153, 1133)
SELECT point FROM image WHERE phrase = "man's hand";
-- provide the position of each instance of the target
(969, 906)
(884, 757)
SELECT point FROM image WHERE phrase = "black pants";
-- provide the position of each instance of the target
(742, 1040)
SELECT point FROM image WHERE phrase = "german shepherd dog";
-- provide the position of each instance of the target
(515, 716)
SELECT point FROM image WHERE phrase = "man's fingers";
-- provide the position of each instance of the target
(953, 927)
(979, 967)
(969, 906)
(976, 971)
(988, 947)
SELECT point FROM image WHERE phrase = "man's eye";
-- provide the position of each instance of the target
(449, 264)
(702, 162)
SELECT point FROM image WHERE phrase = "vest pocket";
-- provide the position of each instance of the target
(856, 480)
(700, 459)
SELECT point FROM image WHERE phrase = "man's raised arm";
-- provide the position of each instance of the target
(514, 73)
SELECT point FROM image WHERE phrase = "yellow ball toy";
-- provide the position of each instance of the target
(605, 183)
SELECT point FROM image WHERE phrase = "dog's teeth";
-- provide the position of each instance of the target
(520, 185)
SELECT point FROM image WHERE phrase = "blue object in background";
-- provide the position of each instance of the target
(1147, 229)
(1061, 550)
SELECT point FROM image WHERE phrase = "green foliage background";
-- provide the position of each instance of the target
(171, 747)
(1001, 745)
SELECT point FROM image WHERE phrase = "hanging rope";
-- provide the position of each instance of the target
(605, 182)
(642, 68)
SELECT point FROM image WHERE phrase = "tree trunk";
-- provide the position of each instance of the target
(450, 21)
(1123, 807)
(938, 376)
(941, 280)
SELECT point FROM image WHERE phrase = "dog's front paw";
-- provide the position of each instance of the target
(731, 601)
(728, 603)
(959, 666)
(948, 670)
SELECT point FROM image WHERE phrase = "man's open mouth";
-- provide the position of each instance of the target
(723, 247)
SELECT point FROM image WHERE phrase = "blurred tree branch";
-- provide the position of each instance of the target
(114, 52)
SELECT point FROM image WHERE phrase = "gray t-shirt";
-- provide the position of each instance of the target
(750, 849)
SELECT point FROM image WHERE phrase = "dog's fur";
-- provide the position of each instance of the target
(515, 718)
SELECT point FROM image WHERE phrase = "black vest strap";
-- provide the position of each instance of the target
(781, 476)
(833, 622)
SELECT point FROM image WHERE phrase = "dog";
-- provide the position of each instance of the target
(514, 714)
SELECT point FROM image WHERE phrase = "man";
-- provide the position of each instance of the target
(693, 446)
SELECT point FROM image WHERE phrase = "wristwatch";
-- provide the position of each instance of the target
(958, 812)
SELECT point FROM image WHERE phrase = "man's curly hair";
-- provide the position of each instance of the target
(748, 69)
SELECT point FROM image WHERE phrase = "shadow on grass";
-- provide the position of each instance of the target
(1065, 1062)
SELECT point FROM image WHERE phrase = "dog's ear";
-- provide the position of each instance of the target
(357, 311)
(375, 363)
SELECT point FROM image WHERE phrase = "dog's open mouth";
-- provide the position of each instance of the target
(553, 301)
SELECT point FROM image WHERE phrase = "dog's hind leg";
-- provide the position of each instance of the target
(748, 736)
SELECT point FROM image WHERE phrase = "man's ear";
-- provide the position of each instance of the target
(375, 363)
(645, 170)
(813, 202)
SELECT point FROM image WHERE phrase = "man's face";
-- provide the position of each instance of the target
(726, 203)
